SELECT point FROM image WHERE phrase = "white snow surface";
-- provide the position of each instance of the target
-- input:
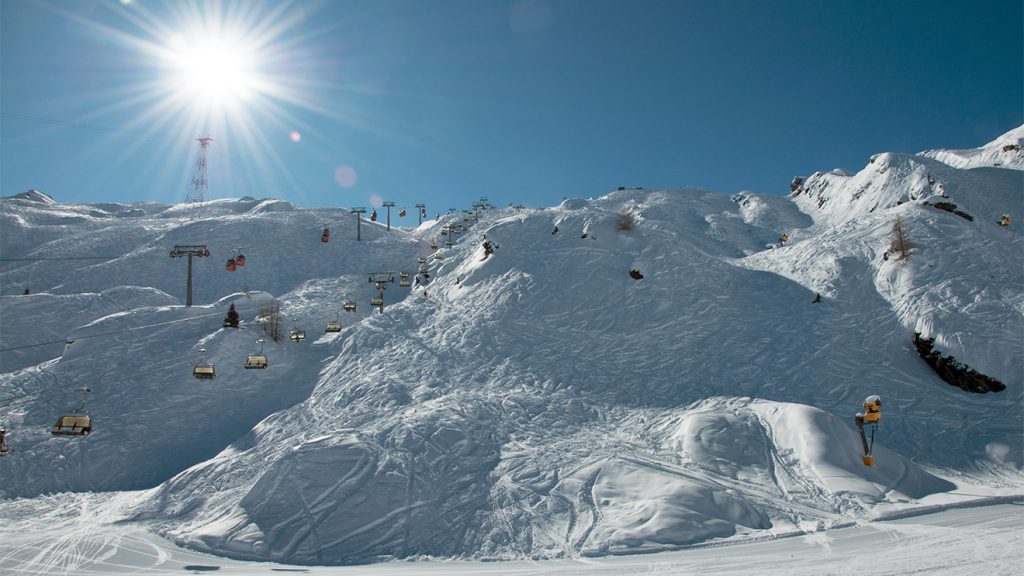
(535, 404)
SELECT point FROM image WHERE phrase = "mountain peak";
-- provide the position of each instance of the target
(34, 195)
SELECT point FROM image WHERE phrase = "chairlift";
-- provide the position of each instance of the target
(433, 246)
(421, 260)
(377, 301)
(203, 371)
(438, 256)
(333, 326)
(77, 423)
(424, 270)
(298, 335)
(257, 360)
(325, 237)
(350, 306)
(404, 280)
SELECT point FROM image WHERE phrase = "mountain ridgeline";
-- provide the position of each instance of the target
(645, 370)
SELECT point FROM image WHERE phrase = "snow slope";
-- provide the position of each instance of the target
(539, 402)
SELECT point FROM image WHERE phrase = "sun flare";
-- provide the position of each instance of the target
(212, 73)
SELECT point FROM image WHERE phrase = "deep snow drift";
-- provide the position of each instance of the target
(538, 402)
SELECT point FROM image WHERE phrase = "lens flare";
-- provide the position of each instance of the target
(345, 176)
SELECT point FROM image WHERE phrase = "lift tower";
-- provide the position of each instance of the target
(190, 251)
(389, 205)
(422, 210)
(358, 212)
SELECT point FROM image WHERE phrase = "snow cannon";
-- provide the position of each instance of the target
(872, 414)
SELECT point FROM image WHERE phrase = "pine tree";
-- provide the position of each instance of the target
(231, 318)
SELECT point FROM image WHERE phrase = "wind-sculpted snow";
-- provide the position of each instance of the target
(643, 371)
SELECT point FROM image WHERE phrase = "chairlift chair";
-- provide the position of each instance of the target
(72, 425)
(421, 260)
(377, 301)
(255, 361)
(433, 246)
(350, 306)
(401, 213)
(404, 279)
(78, 423)
(333, 327)
(373, 216)
(298, 335)
(204, 372)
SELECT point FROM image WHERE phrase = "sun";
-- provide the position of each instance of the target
(212, 72)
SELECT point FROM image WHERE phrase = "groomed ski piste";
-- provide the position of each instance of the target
(538, 405)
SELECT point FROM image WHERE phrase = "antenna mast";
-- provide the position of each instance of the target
(197, 190)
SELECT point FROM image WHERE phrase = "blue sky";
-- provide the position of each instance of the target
(347, 103)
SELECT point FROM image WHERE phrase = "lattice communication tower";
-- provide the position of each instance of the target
(197, 190)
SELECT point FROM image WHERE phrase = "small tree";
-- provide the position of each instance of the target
(901, 245)
(270, 318)
(231, 318)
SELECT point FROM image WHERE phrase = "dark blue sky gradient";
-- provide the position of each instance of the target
(446, 101)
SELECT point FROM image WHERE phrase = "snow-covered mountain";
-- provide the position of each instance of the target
(538, 401)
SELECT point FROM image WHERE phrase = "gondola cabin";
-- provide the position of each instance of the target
(72, 425)
(298, 335)
(257, 361)
(373, 216)
(350, 306)
(240, 260)
(333, 327)
(232, 263)
(204, 372)
(401, 213)
(326, 236)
